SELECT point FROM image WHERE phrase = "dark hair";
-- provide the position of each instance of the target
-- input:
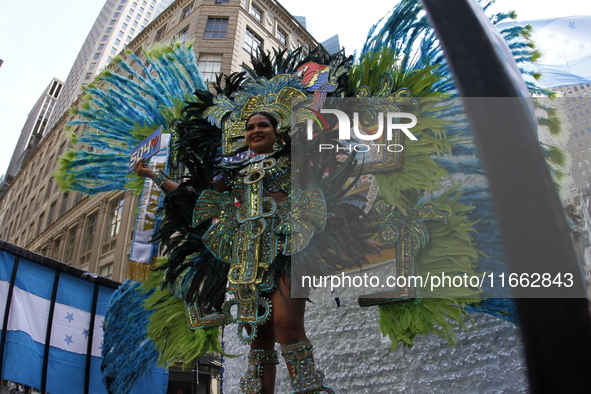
(272, 119)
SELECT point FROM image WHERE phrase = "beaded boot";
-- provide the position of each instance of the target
(306, 379)
(252, 382)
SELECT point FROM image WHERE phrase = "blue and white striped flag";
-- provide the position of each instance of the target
(52, 325)
(565, 44)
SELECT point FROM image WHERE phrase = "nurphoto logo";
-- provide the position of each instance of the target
(393, 120)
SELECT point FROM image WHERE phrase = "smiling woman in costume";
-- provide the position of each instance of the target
(252, 238)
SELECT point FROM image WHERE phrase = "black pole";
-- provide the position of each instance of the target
(90, 338)
(7, 311)
(556, 331)
(46, 348)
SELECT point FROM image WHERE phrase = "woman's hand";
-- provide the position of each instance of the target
(373, 247)
(142, 169)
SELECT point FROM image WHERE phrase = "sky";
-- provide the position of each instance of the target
(45, 43)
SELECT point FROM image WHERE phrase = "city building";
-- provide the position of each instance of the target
(333, 44)
(575, 105)
(575, 102)
(34, 129)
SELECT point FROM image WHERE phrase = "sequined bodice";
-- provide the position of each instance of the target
(276, 175)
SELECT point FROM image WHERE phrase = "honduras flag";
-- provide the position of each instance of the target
(52, 318)
(565, 45)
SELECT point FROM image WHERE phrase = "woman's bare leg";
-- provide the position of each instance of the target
(265, 340)
(288, 317)
(288, 321)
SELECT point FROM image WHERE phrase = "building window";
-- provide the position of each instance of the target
(149, 69)
(31, 231)
(112, 22)
(105, 38)
(160, 33)
(117, 41)
(216, 28)
(88, 75)
(79, 197)
(187, 11)
(40, 199)
(252, 43)
(89, 232)
(50, 214)
(222, 1)
(116, 15)
(256, 12)
(106, 271)
(210, 65)
(65, 200)
(115, 212)
(113, 50)
(92, 66)
(56, 248)
(282, 36)
(71, 242)
(101, 47)
(96, 56)
(121, 33)
(184, 34)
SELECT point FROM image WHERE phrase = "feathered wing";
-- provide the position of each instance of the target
(124, 104)
(126, 313)
(421, 67)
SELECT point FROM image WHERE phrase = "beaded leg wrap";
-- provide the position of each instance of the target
(252, 382)
(306, 379)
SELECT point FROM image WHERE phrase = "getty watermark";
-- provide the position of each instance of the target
(392, 120)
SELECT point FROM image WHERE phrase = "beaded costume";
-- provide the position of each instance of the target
(248, 237)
